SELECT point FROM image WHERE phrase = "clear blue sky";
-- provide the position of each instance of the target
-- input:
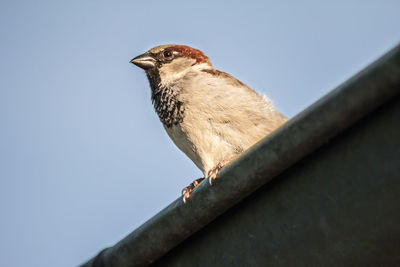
(84, 159)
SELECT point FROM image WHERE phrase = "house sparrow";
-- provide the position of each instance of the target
(211, 116)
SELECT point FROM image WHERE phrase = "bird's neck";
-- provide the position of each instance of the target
(166, 104)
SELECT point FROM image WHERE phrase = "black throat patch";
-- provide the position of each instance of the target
(169, 109)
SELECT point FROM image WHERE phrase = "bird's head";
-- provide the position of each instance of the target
(166, 64)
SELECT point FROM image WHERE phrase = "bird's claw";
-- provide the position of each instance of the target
(212, 174)
(188, 189)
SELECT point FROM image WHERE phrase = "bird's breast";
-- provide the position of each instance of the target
(183, 140)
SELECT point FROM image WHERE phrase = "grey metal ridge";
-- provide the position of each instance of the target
(300, 136)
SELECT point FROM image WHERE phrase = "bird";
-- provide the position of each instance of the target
(210, 115)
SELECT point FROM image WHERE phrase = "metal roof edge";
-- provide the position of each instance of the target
(300, 136)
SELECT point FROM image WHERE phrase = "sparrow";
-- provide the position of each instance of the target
(209, 115)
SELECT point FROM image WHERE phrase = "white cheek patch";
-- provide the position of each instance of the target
(173, 71)
(176, 70)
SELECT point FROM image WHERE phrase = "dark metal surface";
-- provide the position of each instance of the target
(340, 206)
(300, 136)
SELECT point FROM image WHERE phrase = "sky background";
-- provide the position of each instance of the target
(84, 159)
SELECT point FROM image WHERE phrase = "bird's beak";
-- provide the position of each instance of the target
(144, 61)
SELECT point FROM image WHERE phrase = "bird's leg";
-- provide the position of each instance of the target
(212, 173)
(188, 189)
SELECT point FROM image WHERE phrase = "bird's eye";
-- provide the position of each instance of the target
(167, 53)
